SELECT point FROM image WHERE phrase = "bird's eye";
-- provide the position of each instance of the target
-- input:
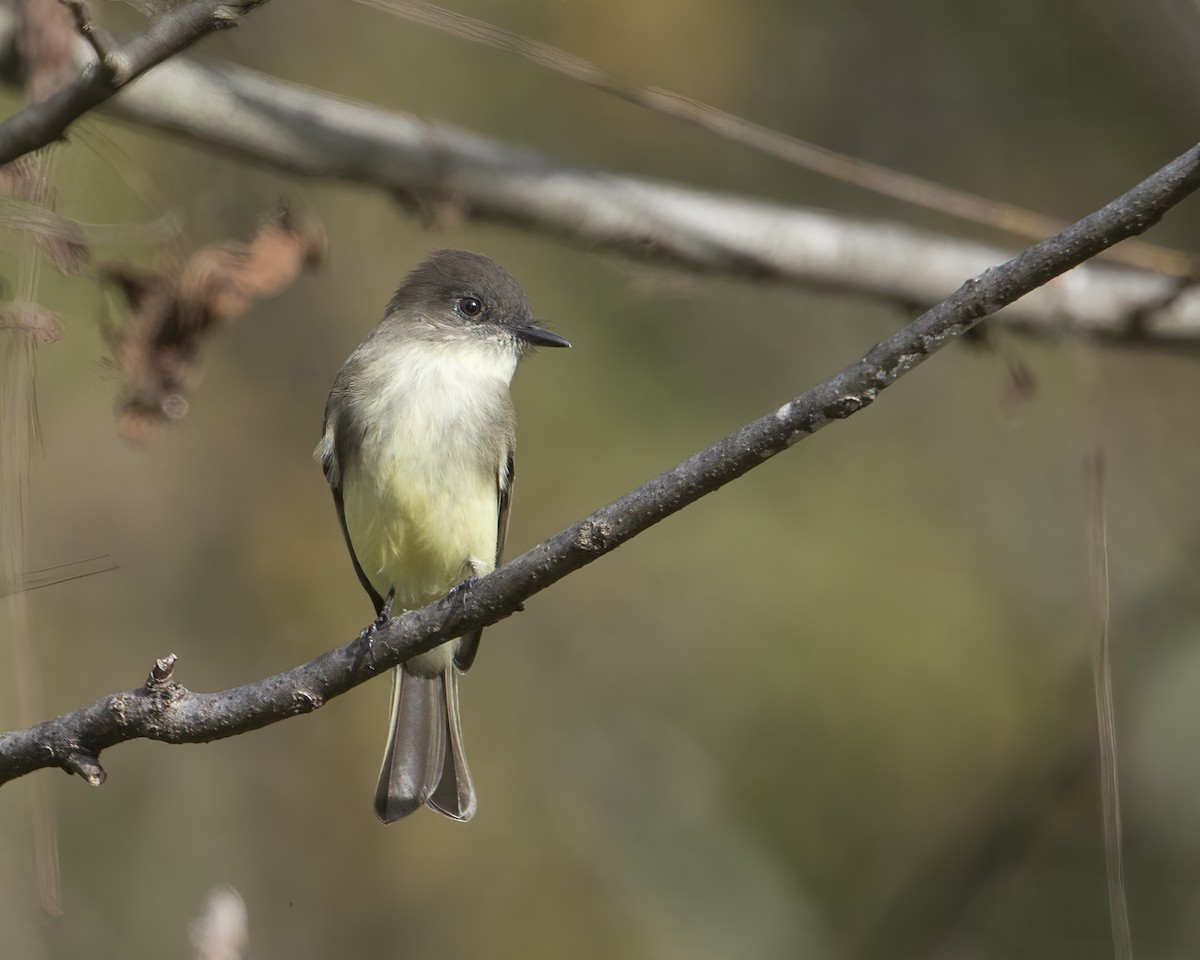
(469, 306)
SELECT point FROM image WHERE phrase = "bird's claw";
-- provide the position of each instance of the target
(465, 585)
(385, 614)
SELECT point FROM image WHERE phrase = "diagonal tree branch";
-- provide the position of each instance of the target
(163, 710)
(46, 121)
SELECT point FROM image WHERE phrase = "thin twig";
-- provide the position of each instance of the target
(46, 121)
(1106, 723)
(65, 572)
(166, 711)
(1027, 224)
(99, 40)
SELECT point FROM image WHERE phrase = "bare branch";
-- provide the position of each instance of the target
(44, 122)
(315, 135)
(98, 39)
(164, 710)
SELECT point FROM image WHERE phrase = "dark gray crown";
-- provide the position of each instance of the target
(440, 283)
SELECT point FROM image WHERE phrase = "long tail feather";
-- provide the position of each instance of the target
(416, 748)
(455, 795)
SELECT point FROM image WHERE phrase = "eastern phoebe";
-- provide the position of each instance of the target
(418, 450)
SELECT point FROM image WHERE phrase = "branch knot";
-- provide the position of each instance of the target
(162, 671)
(304, 701)
(594, 535)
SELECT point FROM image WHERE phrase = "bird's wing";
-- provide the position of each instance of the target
(468, 646)
(376, 599)
(332, 452)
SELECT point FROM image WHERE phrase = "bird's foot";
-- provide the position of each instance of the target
(368, 635)
(470, 582)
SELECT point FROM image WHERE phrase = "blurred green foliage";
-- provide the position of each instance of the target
(840, 708)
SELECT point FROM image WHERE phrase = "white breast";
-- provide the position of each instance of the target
(420, 501)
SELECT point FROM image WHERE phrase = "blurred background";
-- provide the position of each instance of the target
(841, 708)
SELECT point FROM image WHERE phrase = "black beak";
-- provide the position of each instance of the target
(539, 337)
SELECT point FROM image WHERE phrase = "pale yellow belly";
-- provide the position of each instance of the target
(420, 532)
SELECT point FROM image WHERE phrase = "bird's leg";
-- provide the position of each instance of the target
(384, 615)
(470, 581)
(470, 571)
(464, 585)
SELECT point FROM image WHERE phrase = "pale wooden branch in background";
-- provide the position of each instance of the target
(309, 133)
(426, 164)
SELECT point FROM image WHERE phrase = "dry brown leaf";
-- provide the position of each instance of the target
(171, 314)
(225, 277)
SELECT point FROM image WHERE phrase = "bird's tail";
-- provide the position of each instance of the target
(424, 761)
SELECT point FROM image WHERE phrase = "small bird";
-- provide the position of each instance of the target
(418, 448)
